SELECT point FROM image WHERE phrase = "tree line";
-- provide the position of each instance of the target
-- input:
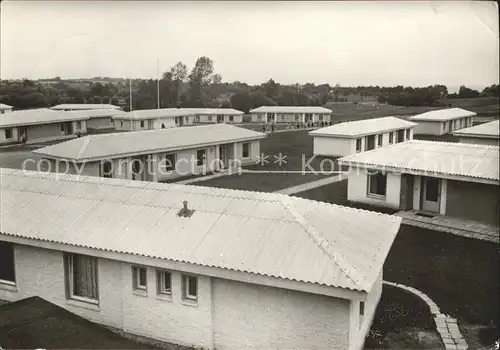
(202, 86)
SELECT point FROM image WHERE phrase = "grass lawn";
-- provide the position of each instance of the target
(402, 321)
(460, 274)
(259, 182)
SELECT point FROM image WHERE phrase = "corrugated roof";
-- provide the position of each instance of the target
(443, 115)
(447, 158)
(488, 130)
(291, 109)
(364, 127)
(260, 233)
(84, 106)
(147, 142)
(36, 116)
(4, 106)
(95, 113)
(142, 114)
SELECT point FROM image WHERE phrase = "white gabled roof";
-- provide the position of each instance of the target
(36, 116)
(143, 114)
(486, 130)
(84, 106)
(95, 113)
(116, 145)
(364, 127)
(257, 233)
(469, 161)
(4, 106)
(443, 115)
(291, 109)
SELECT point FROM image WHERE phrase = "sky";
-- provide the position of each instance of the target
(415, 43)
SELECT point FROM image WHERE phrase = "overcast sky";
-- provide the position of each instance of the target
(361, 43)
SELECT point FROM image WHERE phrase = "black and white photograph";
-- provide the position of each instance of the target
(249, 175)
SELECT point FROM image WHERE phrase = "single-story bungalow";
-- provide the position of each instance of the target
(441, 178)
(5, 108)
(98, 118)
(216, 115)
(362, 135)
(156, 155)
(291, 114)
(197, 266)
(149, 119)
(486, 134)
(83, 106)
(442, 121)
(40, 125)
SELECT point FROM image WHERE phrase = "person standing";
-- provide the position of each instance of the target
(272, 127)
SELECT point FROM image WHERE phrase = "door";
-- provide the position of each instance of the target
(139, 167)
(400, 136)
(406, 199)
(220, 119)
(431, 194)
(223, 156)
(270, 117)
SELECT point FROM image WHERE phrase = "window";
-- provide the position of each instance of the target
(142, 123)
(358, 145)
(379, 139)
(196, 119)
(377, 184)
(246, 150)
(320, 117)
(106, 169)
(189, 287)
(164, 279)
(362, 308)
(297, 117)
(139, 278)
(391, 137)
(81, 277)
(259, 117)
(78, 124)
(282, 117)
(231, 118)
(200, 156)
(407, 134)
(8, 133)
(169, 161)
(7, 267)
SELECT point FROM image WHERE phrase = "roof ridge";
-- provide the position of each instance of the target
(323, 244)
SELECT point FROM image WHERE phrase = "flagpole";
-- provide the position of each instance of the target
(158, 81)
(130, 85)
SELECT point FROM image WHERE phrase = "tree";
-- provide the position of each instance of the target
(199, 79)
(216, 79)
(465, 92)
(178, 74)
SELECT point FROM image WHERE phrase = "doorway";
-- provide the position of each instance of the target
(220, 118)
(400, 136)
(270, 117)
(431, 194)
(370, 143)
(223, 156)
(139, 169)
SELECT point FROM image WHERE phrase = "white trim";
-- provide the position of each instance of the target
(161, 289)
(68, 260)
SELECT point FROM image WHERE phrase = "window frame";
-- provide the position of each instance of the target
(380, 140)
(391, 138)
(160, 275)
(136, 277)
(203, 158)
(70, 277)
(358, 141)
(8, 282)
(408, 134)
(186, 296)
(9, 130)
(109, 174)
(142, 124)
(231, 118)
(78, 124)
(165, 156)
(369, 189)
(247, 144)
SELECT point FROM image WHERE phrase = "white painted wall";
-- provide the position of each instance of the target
(100, 123)
(167, 122)
(357, 189)
(227, 315)
(212, 118)
(429, 128)
(13, 139)
(256, 317)
(333, 146)
(290, 117)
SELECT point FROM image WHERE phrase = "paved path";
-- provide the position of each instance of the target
(209, 177)
(456, 226)
(312, 184)
(446, 326)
